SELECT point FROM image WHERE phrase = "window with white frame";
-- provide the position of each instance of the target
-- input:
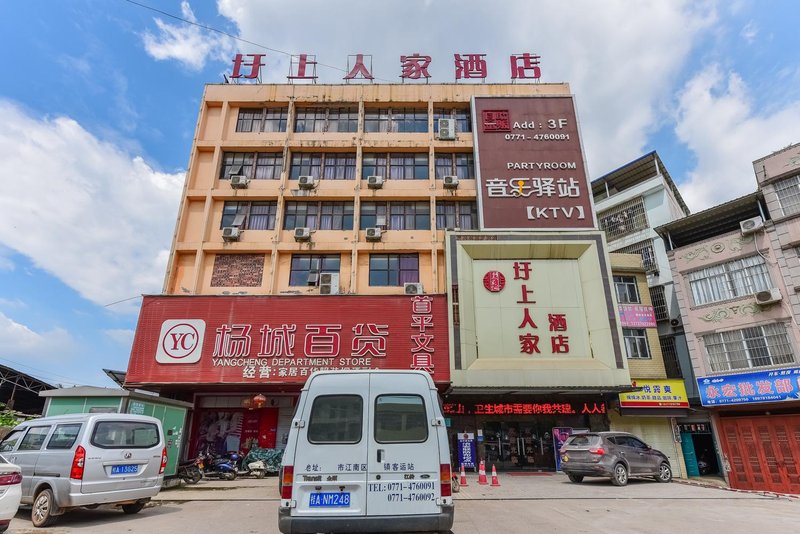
(627, 290)
(788, 191)
(636, 343)
(624, 219)
(757, 346)
(729, 280)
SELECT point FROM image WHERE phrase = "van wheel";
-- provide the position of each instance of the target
(42, 511)
(133, 508)
(620, 476)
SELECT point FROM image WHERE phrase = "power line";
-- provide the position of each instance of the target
(42, 372)
(123, 300)
(212, 29)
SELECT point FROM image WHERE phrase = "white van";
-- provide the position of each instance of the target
(367, 452)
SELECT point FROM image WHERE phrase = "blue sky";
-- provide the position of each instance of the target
(100, 98)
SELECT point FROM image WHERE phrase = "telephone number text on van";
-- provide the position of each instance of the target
(401, 486)
(411, 497)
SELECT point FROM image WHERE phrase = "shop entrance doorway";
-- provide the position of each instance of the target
(523, 445)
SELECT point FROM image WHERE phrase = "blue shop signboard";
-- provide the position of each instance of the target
(774, 385)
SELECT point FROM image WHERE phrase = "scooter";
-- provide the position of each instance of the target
(191, 471)
(255, 468)
(218, 466)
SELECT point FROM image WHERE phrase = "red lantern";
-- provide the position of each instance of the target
(259, 401)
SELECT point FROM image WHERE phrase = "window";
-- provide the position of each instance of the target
(400, 419)
(671, 363)
(627, 290)
(326, 120)
(624, 219)
(402, 215)
(788, 191)
(336, 419)
(729, 280)
(326, 166)
(319, 215)
(10, 441)
(250, 120)
(249, 215)
(34, 439)
(64, 436)
(393, 269)
(461, 215)
(757, 346)
(397, 166)
(374, 165)
(636, 343)
(659, 303)
(462, 117)
(400, 120)
(583, 440)
(459, 165)
(645, 250)
(268, 165)
(125, 434)
(305, 265)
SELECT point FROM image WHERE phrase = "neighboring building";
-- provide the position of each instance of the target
(737, 272)
(630, 202)
(650, 412)
(20, 391)
(375, 226)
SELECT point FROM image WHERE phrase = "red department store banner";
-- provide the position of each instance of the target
(276, 339)
(531, 171)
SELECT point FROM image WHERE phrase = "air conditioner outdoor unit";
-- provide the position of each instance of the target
(231, 233)
(239, 181)
(412, 289)
(769, 296)
(374, 234)
(447, 129)
(329, 284)
(302, 234)
(675, 323)
(749, 226)
(450, 182)
(307, 182)
(374, 182)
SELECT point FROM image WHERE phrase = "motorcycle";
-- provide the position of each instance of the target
(191, 471)
(218, 466)
(246, 466)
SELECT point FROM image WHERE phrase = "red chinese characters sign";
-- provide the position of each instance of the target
(531, 171)
(524, 408)
(212, 340)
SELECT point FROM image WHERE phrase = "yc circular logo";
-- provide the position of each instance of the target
(180, 341)
(494, 281)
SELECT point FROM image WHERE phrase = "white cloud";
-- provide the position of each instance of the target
(749, 32)
(19, 340)
(84, 210)
(13, 303)
(621, 58)
(123, 336)
(717, 122)
(187, 43)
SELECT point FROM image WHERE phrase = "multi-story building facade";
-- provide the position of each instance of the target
(737, 271)
(361, 226)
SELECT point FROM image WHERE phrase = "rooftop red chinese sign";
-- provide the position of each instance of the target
(263, 340)
(531, 171)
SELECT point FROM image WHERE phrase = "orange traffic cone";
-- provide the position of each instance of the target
(482, 474)
(495, 482)
(463, 480)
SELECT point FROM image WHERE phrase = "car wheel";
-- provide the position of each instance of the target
(133, 508)
(42, 511)
(664, 473)
(575, 478)
(620, 476)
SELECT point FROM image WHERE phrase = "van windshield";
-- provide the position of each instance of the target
(125, 435)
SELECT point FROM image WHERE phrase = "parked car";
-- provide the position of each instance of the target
(616, 455)
(367, 452)
(69, 461)
(10, 492)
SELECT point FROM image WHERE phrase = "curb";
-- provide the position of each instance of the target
(728, 488)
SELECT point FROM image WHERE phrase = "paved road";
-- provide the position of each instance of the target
(547, 503)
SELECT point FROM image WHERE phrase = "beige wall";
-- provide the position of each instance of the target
(198, 236)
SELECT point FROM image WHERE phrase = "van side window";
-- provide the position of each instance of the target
(10, 441)
(336, 419)
(400, 419)
(125, 435)
(34, 439)
(64, 436)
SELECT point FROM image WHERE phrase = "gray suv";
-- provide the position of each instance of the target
(616, 455)
(68, 461)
